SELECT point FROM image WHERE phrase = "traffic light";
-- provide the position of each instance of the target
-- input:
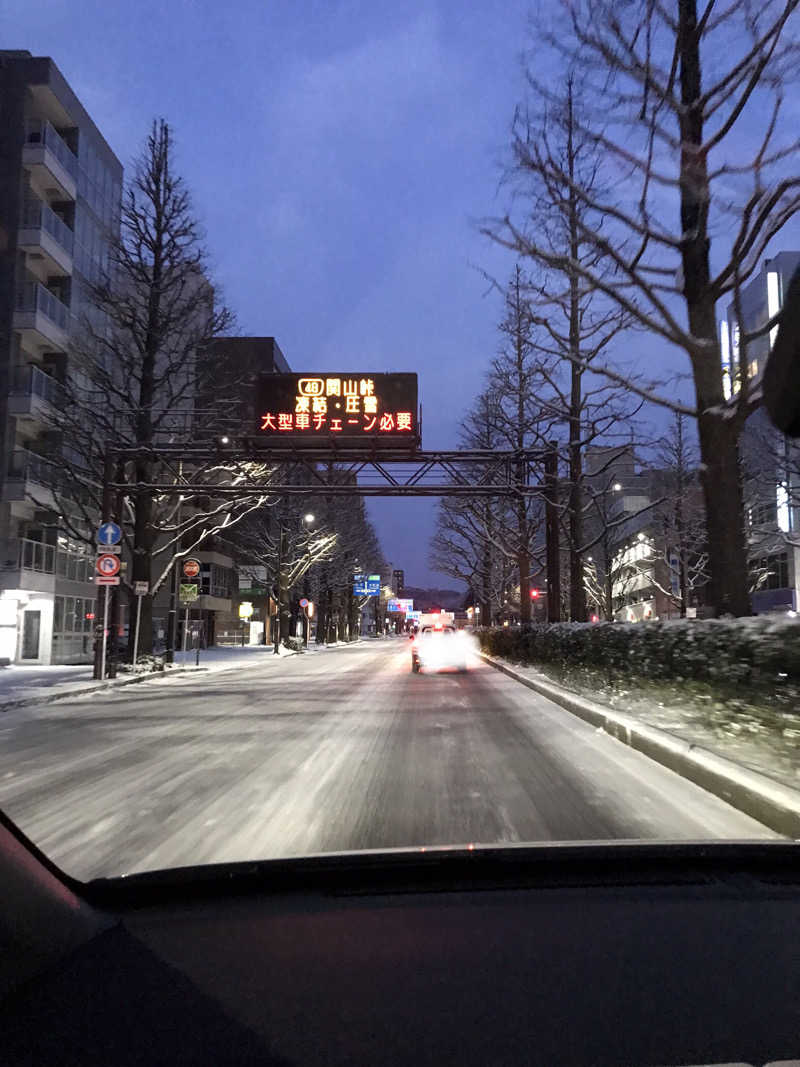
(534, 594)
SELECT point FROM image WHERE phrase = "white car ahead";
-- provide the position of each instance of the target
(439, 646)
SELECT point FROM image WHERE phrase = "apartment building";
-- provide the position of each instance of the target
(60, 190)
(770, 461)
(646, 559)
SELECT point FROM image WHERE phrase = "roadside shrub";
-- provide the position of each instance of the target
(758, 654)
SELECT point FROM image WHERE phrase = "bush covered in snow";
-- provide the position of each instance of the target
(760, 654)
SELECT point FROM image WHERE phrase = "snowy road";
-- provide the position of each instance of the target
(346, 749)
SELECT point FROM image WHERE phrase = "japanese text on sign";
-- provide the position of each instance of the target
(310, 407)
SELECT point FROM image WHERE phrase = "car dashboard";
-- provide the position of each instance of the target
(631, 954)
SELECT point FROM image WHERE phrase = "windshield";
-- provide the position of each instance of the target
(385, 463)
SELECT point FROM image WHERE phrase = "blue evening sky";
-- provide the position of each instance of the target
(338, 152)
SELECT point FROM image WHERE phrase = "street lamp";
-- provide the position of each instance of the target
(308, 517)
(617, 487)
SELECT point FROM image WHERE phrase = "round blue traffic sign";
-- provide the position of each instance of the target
(109, 534)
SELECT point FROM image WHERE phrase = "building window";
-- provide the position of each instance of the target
(72, 630)
(783, 515)
(762, 514)
(771, 572)
(216, 581)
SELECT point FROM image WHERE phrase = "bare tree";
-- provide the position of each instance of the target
(471, 542)
(515, 411)
(133, 380)
(670, 90)
(280, 539)
(357, 551)
(576, 323)
(679, 525)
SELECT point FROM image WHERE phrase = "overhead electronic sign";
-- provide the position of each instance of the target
(316, 409)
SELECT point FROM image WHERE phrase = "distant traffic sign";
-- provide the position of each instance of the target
(366, 584)
(191, 568)
(107, 565)
(304, 602)
(141, 588)
(400, 605)
(109, 534)
(188, 593)
(102, 580)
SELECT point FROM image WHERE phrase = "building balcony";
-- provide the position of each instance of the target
(34, 394)
(30, 477)
(46, 237)
(211, 602)
(40, 567)
(46, 155)
(41, 317)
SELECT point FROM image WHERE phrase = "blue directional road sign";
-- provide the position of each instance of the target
(109, 534)
(366, 584)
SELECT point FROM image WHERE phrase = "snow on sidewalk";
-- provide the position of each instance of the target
(21, 682)
(44, 683)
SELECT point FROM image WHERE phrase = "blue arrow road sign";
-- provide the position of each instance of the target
(109, 534)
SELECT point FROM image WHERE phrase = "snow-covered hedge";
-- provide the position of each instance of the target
(761, 653)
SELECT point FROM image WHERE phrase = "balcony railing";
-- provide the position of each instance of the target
(76, 565)
(31, 381)
(32, 296)
(38, 215)
(28, 466)
(43, 132)
(36, 556)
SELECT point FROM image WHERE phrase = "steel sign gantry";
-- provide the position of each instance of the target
(335, 472)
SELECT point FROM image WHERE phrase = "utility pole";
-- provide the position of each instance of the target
(102, 614)
(282, 590)
(172, 615)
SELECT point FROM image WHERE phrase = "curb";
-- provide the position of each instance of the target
(51, 698)
(771, 803)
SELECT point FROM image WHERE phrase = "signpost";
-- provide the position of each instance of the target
(106, 573)
(140, 589)
(188, 595)
(308, 610)
(191, 568)
(316, 409)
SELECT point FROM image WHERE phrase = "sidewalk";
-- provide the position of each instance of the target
(20, 686)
